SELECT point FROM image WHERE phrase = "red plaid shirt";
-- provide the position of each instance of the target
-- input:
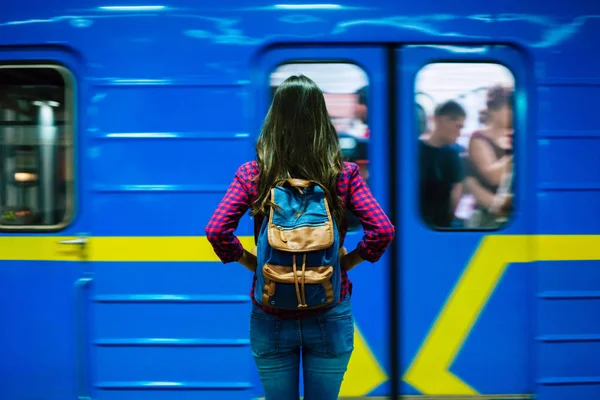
(355, 195)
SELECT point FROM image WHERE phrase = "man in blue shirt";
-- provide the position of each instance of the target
(441, 170)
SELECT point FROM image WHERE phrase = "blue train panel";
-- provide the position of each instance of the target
(38, 317)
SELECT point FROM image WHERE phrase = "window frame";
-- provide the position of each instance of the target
(515, 121)
(334, 60)
(70, 156)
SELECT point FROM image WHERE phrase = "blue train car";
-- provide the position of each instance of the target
(122, 124)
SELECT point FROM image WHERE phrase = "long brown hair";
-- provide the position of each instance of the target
(298, 140)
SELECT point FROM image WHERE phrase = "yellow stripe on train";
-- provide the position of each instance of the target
(117, 248)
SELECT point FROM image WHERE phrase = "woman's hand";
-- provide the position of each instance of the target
(342, 252)
(248, 260)
(349, 260)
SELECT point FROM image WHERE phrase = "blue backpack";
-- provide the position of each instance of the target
(298, 264)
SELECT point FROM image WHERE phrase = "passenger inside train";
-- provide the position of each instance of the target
(480, 165)
(441, 170)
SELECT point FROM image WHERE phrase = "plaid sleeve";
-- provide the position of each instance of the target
(378, 229)
(226, 217)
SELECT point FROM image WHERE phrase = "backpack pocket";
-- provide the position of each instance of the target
(302, 221)
(286, 288)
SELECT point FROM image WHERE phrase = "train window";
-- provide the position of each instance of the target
(464, 115)
(345, 87)
(36, 134)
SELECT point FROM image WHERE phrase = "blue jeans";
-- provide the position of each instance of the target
(325, 342)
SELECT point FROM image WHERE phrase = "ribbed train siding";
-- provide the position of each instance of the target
(168, 330)
(194, 343)
(568, 297)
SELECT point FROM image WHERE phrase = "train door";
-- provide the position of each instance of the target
(457, 283)
(466, 303)
(354, 81)
(43, 223)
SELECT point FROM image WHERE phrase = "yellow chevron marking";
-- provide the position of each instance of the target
(364, 371)
(430, 370)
